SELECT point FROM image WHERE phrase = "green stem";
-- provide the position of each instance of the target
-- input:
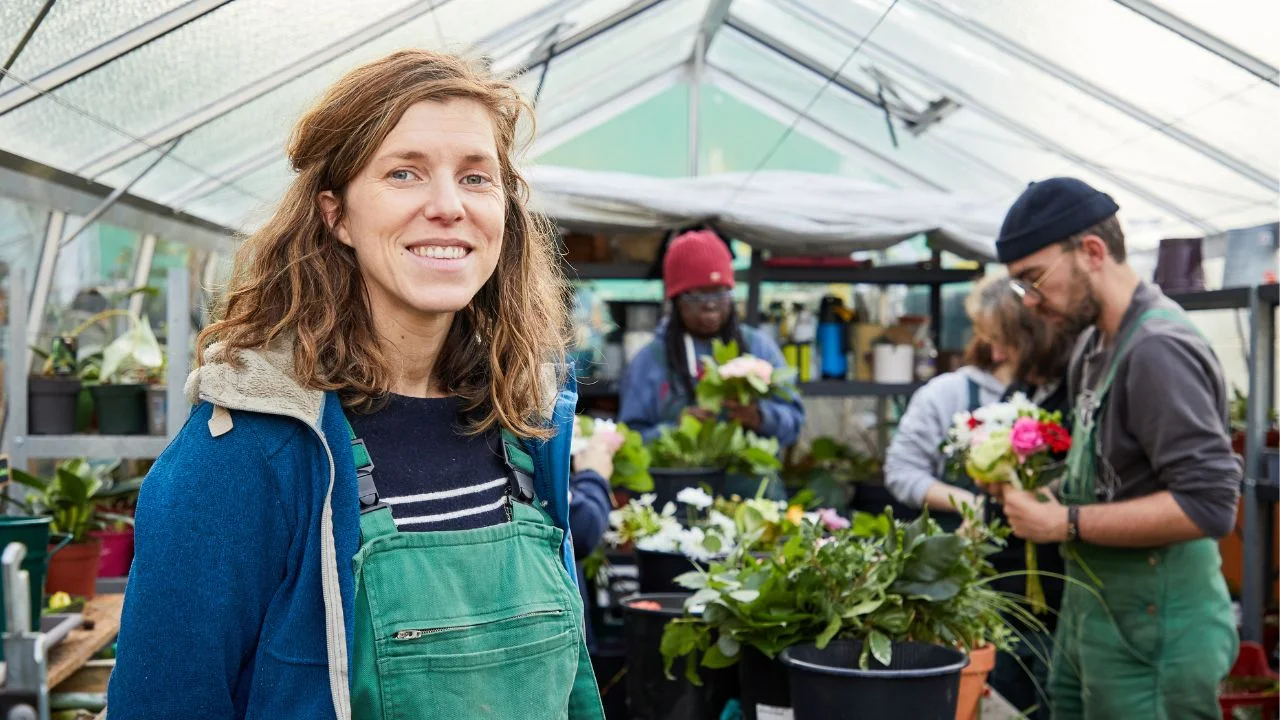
(1035, 592)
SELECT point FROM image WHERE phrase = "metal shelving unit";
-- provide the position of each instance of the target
(1261, 303)
(23, 447)
(857, 388)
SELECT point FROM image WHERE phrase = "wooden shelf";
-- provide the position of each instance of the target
(93, 447)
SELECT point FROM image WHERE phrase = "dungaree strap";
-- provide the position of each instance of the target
(975, 399)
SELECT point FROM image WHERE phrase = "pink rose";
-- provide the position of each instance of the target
(1026, 438)
(762, 369)
(831, 520)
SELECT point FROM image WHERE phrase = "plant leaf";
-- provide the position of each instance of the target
(828, 633)
(881, 647)
(745, 596)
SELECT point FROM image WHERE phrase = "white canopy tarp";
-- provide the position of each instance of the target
(784, 212)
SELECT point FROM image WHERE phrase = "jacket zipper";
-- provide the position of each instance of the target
(415, 634)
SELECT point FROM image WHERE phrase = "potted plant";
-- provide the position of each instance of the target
(696, 452)
(831, 470)
(120, 394)
(116, 502)
(71, 497)
(54, 392)
(877, 587)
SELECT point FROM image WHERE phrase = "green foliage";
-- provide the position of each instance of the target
(830, 470)
(713, 444)
(72, 495)
(882, 581)
(725, 377)
(631, 463)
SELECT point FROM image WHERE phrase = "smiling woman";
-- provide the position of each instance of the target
(401, 307)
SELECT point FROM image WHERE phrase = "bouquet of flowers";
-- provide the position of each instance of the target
(730, 375)
(1011, 442)
(630, 456)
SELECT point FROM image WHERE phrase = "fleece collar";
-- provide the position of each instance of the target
(262, 381)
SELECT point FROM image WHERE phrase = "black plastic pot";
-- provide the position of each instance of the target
(650, 695)
(122, 409)
(764, 683)
(51, 405)
(658, 570)
(921, 682)
(668, 482)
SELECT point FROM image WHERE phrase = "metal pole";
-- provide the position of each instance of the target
(1253, 595)
(754, 277)
(142, 272)
(695, 101)
(16, 382)
(40, 293)
(178, 345)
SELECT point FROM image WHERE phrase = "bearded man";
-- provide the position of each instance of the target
(1146, 629)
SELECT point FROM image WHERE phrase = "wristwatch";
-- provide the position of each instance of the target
(1073, 523)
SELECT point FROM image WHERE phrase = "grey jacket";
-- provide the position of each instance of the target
(1164, 424)
(914, 460)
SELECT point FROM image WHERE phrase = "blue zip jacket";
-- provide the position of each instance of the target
(240, 598)
(649, 400)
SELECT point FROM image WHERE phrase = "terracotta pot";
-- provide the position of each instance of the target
(973, 682)
(74, 570)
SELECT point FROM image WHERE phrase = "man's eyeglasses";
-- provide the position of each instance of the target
(1025, 289)
(699, 299)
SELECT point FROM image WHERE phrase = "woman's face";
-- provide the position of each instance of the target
(425, 216)
(705, 310)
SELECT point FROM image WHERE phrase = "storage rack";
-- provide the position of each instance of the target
(23, 447)
(1260, 481)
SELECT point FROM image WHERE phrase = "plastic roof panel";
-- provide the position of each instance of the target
(922, 46)
(1248, 24)
(748, 61)
(72, 27)
(1045, 88)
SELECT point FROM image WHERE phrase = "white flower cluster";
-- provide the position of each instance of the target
(964, 434)
(711, 537)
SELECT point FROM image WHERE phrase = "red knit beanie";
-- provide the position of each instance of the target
(696, 259)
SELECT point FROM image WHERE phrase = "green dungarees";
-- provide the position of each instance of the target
(1165, 636)
(482, 623)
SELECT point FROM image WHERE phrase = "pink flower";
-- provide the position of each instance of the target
(1026, 438)
(831, 520)
(611, 440)
(745, 365)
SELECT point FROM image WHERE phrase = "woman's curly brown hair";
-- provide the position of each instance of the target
(294, 281)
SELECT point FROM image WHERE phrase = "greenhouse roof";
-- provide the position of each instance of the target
(1172, 106)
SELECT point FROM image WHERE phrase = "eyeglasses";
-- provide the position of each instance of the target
(698, 299)
(1024, 289)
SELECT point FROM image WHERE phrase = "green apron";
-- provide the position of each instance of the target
(482, 623)
(1164, 635)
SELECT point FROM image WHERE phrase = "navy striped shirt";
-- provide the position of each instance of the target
(431, 475)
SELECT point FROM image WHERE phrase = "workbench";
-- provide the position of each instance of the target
(102, 624)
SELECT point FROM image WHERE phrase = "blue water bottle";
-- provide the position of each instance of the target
(833, 333)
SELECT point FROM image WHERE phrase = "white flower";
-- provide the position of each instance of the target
(603, 425)
(668, 539)
(669, 510)
(746, 365)
(647, 499)
(696, 497)
(691, 544)
(723, 524)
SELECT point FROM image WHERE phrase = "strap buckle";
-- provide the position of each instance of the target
(364, 478)
(521, 482)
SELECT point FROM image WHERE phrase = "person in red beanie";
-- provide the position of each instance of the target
(659, 383)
